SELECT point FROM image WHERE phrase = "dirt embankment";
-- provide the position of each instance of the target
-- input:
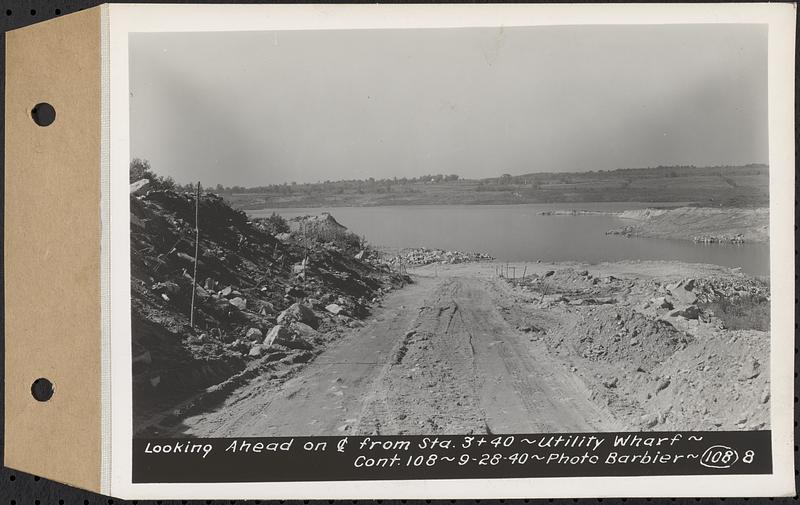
(262, 304)
(699, 224)
(661, 351)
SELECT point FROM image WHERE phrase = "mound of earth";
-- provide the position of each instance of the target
(663, 353)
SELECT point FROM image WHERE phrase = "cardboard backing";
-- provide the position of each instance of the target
(52, 249)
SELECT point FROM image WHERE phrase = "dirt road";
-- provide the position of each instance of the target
(440, 356)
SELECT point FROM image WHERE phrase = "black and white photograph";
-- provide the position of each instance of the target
(450, 231)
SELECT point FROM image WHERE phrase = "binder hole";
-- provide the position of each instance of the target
(42, 389)
(43, 114)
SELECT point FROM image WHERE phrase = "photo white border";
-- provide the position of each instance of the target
(128, 18)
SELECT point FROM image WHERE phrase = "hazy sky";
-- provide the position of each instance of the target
(252, 108)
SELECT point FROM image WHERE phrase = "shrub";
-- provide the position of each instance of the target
(276, 224)
(747, 312)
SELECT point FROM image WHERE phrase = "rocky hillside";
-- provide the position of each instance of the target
(258, 299)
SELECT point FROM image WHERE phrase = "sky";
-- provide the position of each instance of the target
(257, 108)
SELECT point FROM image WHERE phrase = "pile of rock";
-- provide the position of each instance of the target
(687, 297)
(719, 239)
(257, 295)
(424, 256)
(625, 231)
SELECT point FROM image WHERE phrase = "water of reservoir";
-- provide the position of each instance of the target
(520, 233)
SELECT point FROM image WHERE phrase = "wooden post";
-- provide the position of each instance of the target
(524, 271)
(196, 250)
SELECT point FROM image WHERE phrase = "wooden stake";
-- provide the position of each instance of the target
(196, 250)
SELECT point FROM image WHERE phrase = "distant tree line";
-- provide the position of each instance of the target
(369, 185)
(141, 169)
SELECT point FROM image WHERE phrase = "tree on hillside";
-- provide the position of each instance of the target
(276, 224)
(141, 169)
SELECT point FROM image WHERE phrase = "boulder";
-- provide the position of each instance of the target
(681, 295)
(750, 369)
(278, 332)
(662, 385)
(202, 293)
(168, 287)
(689, 312)
(281, 335)
(220, 304)
(256, 351)
(275, 356)
(649, 420)
(301, 313)
(662, 302)
(239, 303)
(314, 303)
(266, 309)
(226, 292)
(139, 186)
(305, 331)
(254, 334)
(137, 222)
(334, 308)
(360, 255)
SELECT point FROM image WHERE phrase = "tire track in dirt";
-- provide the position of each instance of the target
(440, 358)
(465, 369)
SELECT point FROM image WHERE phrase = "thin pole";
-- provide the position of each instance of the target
(196, 250)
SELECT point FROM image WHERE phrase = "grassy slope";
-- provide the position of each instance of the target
(745, 186)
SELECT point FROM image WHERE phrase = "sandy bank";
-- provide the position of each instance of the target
(700, 224)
